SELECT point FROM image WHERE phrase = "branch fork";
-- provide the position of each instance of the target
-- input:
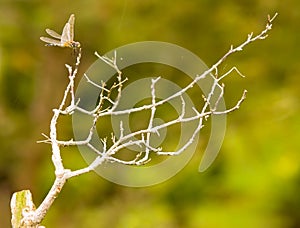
(27, 216)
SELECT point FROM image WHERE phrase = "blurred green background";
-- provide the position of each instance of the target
(254, 182)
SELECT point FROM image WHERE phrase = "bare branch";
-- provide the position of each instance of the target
(139, 138)
(237, 106)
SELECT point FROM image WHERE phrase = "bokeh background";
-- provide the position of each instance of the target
(254, 182)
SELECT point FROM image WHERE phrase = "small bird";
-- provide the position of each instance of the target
(66, 39)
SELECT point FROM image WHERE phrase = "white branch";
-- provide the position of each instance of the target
(140, 138)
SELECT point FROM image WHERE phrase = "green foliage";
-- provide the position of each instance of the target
(255, 180)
